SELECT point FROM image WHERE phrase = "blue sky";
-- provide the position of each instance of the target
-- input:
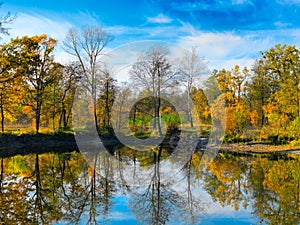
(227, 32)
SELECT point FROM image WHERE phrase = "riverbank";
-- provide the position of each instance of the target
(27, 143)
(258, 148)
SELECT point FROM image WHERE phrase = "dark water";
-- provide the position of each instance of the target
(148, 188)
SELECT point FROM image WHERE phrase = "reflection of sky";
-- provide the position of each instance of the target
(214, 213)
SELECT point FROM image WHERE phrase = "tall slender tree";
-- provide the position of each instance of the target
(87, 45)
(191, 68)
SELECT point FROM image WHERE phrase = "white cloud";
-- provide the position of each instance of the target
(226, 49)
(30, 25)
(160, 18)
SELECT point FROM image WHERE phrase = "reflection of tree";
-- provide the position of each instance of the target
(89, 193)
(45, 197)
(156, 201)
(160, 203)
(280, 188)
(15, 207)
(61, 187)
(45, 188)
(272, 186)
(193, 205)
(226, 182)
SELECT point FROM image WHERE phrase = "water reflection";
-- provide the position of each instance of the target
(66, 189)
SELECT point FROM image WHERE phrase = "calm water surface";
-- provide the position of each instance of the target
(130, 187)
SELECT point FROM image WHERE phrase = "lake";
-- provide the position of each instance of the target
(134, 187)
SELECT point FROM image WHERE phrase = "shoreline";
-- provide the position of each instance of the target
(28, 143)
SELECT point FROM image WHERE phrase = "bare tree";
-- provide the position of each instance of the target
(4, 20)
(87, 45)
(191, 67)
(152, 71)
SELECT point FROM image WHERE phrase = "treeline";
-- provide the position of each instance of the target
(36, 90)
(257, 103)
(262, 103)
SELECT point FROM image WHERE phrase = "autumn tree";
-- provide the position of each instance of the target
(36, 65)
(232, 86)
(87, 45)
(9, 84)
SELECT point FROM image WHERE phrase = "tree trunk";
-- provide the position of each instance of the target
(37, 119)
(95, 113)
(159, 104)
(107, 105)
(1, 174)
(2, 112)
(158, 117)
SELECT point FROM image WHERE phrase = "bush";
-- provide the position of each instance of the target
(173, 129)
(279, 139)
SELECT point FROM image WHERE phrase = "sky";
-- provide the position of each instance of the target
(226, 32)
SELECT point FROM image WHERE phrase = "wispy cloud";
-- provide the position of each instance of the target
(35, 24)
(160, 18)
(289, 2)
(226, 49)
(241, 2)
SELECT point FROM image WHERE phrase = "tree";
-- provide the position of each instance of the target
(211, 87)
(67, 84)
(259, 91)
(9, 82)
(282, 66)
(232, 85)
(152, 71)
(190, 68)
(87, 45)
(201, 105)
(123, 93)
(35, 63)
(106, 98)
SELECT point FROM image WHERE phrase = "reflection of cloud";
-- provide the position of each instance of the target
(119, 216)
(160, 18)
